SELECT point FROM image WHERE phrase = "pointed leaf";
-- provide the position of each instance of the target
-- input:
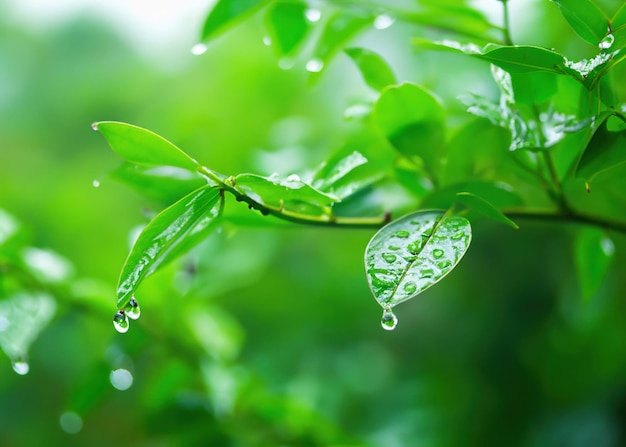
(586, 18)
(287, 26)
(485, 208)
(375, 71)
(142, 146)
(160, 238)
(606, 150)
(227, 12)
(594, 252)
(414, 252)
(413, 122)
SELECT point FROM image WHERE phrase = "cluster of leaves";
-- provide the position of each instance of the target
(556, 133)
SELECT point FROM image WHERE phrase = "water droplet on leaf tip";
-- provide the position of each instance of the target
(94, 126)
(389, 321)
(133, 311)
(96, 183)
(314, 65)
(607, 42)
(198, 49)
(120, 322)
(21, 367)
(383, 21)
(313, 15)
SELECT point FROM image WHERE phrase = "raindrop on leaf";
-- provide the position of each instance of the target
(314, 65)
(120, 321)
(21, 367)
(389, 321)
(132, 310)
(607, 42)
(383, 21)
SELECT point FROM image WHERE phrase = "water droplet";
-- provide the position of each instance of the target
(94, 126)
(71, 422)
(383, 21)
(199, 49)
(132, 310)
(444, 264)
(607, 42)
(314, 65)
(415, 247)
(286, 63)
(120, 321)
(294, 178)
(313, 15)
(389, 321)
(607, 246)
(393, 247)
(403, 234)
(438, 253)
(267, 41)
(121, 379)
(390, 258)
(21, 367)
(96, 183)
(427, 273)
(458, 235)
(410, 287)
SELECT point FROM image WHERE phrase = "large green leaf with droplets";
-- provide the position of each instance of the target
(586, 18)
(411, 254)
(171, 233)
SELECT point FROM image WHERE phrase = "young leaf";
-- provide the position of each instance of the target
(605, 151)
(485, 208)
(336, 168)
(414, 252)
(163, 234)
(413, 122)
(375, 71)
(227, 12)
(500, 195)
(594, 252)
(586, 18)
(287, 26)
(143, 147)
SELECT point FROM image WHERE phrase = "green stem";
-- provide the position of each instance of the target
(329, 220)
(505, 23)
(567, 216)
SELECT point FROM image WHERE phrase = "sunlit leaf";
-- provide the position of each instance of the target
(485, 208)
(605, 151)
(173, 226)
(411, 254)
(227, 12)
(329, 175)
(586, 18)
(413, 121)
(594, 252)
(375, 71)
(287, 26)
(144, 147)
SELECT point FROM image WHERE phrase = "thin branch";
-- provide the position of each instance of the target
(506, 29)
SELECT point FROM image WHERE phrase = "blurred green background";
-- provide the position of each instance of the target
(268, 336)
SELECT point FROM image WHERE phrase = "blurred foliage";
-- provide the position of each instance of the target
(266, 334)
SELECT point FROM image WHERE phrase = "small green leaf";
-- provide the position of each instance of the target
(414, 252)
(169, 229)
(227, 12)
(413, 122)
(163, 183)
(586, 18)
(375, 71)
(500, 195)
(594, 252)
(143, 147)
(606, 150)
(290, 193)
(485, 208)
(329, 175)
(287, 26)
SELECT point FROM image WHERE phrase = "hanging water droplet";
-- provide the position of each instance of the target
(96, 183)
(403, 234)
(198, 49)
(120, 321)
(94, 126)
(313, 15)
(607, 42)
(132, 310)
(383, 21)
(314, 65)
(438, 253)
(121, 379)
(390, 258)
(389, 321)
(267, 41)
(21, 367)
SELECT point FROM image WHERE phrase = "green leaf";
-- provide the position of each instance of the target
(158, 242)
(594, 252)
(606, 150)
(329, 175)
(23, 317)
(500, 195)
(618, 26)
(534, 88)
(226, 12)
(290, 193)
(586, 18)
(485, 208)
(163, 183)
(413, 253)
(143, 147)
(413, 122)
(375, 71)
(287, 26)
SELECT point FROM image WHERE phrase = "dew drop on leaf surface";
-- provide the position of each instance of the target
(120, 321)
(132, 310)
(389, 321)
(21, 367)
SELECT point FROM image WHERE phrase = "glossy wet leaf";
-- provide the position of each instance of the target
(411, 254)
(330, 175)
(375, 71)
(412, 120)
(173, 227)
(605, 151)
(143, 147)
(586, 18)
(594, 252)
(482, 206)
(227, 12)
(287, 26)
(290, 192)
